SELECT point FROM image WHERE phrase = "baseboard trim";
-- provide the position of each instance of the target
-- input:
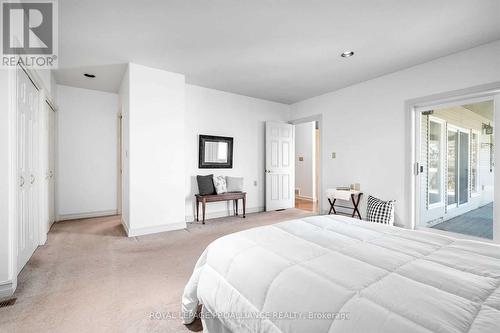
(154, 229)
(43, 239)
(66, 217)
(224, 213)
(125, 226)
(304, 198)
(7, 288)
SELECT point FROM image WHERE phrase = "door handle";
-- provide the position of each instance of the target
(22, 182)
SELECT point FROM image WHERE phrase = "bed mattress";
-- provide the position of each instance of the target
(337, 274)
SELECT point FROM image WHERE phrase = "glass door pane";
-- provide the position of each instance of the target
(435, 163)
(452, 167)
(464, 168)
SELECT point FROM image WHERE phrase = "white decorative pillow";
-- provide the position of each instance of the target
(234, 184)
(380, 211)
(220, 184)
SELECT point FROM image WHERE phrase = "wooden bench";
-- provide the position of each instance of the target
(230, 196)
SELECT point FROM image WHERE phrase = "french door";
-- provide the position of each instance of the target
(445, 172)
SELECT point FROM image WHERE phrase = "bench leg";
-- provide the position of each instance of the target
(244, 205)
(197, 209)
(236, 211)
(203, 211)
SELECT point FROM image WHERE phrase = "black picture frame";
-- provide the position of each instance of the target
(202, 164)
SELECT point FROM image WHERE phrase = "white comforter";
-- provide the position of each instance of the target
(351, 276)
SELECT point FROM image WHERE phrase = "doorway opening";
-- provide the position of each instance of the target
(455, 154)
(307, 165)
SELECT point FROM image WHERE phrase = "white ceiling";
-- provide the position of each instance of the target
(108, 77)
(284, 51)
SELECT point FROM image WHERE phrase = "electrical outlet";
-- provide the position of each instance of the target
(334, 155)
(254, 183)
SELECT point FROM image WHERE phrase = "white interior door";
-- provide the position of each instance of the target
(280, 166)
(28, 196)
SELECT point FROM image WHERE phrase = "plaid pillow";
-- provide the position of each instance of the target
(380, 211)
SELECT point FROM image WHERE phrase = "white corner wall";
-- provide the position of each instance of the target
(124, 99)
(214, 112)
(305, 148)
(155, 151)
(87, 167)
(365, 124)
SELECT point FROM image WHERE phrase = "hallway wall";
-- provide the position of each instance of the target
(305, 159)
(87, 143)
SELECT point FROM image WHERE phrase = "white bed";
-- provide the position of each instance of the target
(352, 275)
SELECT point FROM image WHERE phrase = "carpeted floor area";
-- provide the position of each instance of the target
(90, 277)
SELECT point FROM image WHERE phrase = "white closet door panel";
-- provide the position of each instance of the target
(28, 197)
(51, 152)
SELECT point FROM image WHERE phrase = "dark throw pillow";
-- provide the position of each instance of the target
(205, 184)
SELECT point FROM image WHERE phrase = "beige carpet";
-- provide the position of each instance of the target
(89, 277)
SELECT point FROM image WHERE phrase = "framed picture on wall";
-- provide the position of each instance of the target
(215, 152)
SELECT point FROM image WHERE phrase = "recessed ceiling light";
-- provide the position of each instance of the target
(89, 75)
(347, 54)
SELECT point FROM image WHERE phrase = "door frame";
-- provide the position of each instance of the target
(53, 110)
(319, 119)
(415, 106)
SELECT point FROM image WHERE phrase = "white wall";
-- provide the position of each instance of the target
(305, 147)
(365, 123)
(156, 154)
(214, 112)
(87, 153)
(124, 96)
(8, 184)
(4, 176)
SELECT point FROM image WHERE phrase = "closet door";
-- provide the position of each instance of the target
(28, 102)
(51, 150)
